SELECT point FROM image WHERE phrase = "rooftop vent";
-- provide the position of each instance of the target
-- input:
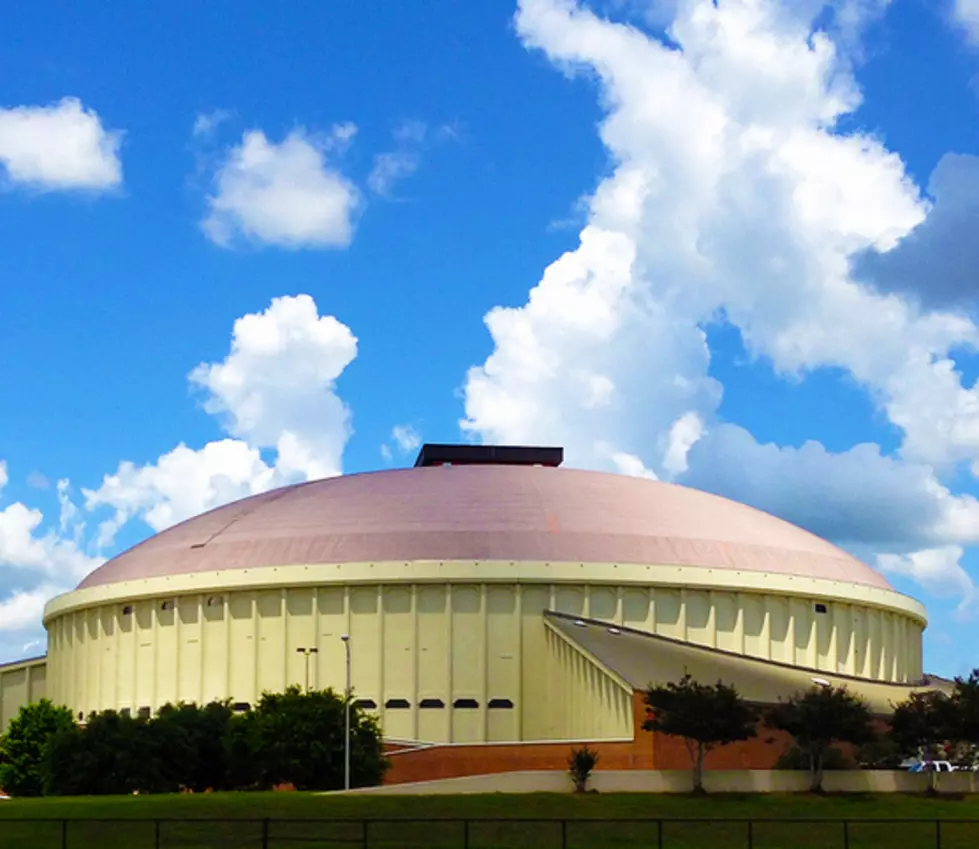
(488, 455)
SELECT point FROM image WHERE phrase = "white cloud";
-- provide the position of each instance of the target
(966, 15)
(938, 570)
(35, 480)
(391, 167)
(207, 122)
(181, 484)
(856, 498)
(684, 433)
(24, 546)
(284, 194)
(275, 390)
(35, 563)
(59, 147)
(406, 438)
(411, 140)
(731, 194)
(22, 609)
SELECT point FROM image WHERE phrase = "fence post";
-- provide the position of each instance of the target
(938, 834)
(465, 834)
(564, 834)
(64, 834)
(751, 834)
(659, 834)
(156, 834)
(265, 833)
(364, 824)
(846, 834)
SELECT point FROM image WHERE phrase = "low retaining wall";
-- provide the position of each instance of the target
(679, 781)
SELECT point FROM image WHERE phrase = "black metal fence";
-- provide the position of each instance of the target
(663, 833)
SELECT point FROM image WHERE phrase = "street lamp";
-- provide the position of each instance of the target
(307, 652)
(346, 717)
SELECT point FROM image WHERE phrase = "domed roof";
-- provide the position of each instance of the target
(485, 512)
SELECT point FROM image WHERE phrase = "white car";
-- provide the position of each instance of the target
(933, 766)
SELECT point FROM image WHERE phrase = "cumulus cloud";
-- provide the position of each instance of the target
(59, 147)
(857, 497)
(37, 560)
(966, 15)
(938, 570)
(275, 391)
(22, 610)
(938, 261)
(732, 193)
(286, 194)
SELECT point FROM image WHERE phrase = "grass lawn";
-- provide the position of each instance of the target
(292, 824)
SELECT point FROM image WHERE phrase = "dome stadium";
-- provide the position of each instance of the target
(487, 596)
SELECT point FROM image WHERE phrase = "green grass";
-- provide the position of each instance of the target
(293, 825)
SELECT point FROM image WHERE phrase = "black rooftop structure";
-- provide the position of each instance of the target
(433, 454)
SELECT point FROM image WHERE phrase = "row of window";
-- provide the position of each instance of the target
(370, 704)
(216, 600)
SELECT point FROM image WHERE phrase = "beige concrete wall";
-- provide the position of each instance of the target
(585, 701)
(668, 781)
(20, 684)
(461, 643)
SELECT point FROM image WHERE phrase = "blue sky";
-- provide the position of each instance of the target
(729, 245)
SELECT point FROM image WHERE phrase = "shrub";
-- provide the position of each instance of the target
(581, 762)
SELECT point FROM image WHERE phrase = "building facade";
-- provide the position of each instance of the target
(490, 597)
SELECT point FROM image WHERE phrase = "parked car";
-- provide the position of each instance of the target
(933, 766)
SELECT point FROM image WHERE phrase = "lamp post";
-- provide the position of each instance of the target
(346, 715)
(307, 652)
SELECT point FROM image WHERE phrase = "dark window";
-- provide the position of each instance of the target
(366, 704)
(127, 610)
(501, 703)
(400, 704)
(241, 707)
(81, 716)
(820, 608)
(144, 712)
(431, 703)
(167, 605)
(125, 712)
(214, 601)
(465, 703)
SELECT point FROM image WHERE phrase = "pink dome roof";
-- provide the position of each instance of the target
(491, 512)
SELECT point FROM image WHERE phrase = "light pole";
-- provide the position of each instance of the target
(346, 714)
(307, 653)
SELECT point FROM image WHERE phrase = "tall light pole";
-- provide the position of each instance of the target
(346, 714)
(307, 653)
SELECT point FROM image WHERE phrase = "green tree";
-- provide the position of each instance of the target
(112, 754)
(298, 737)
(818, 718)
(924, 725)
(22, 747)
(191, 743)
(705, 716)
(965, 701)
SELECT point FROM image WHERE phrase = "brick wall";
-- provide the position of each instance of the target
(645, 751)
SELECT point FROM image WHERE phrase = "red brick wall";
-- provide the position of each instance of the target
(760, 752)
(645, 751)
(454, 761)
